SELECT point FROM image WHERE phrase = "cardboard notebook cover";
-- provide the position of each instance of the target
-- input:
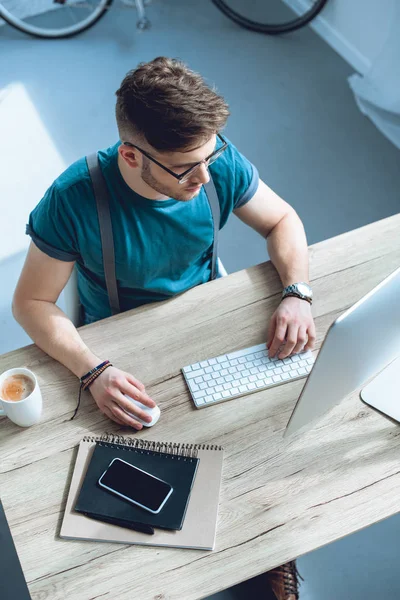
(199, 527)
(96, 502)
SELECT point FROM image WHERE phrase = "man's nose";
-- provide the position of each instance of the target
(202, 174)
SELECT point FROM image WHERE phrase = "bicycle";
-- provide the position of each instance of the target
(63, 18)
(280, 19)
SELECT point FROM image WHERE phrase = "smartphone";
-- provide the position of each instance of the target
(135, 485)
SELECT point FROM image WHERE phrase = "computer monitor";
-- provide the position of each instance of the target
(359, 344)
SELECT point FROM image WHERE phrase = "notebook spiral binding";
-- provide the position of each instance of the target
(139, 445)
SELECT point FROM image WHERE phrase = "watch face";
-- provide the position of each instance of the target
(304, 289)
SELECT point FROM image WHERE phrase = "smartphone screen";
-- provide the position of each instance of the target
(135, 485)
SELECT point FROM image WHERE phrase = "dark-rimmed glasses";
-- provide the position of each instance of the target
(185, 176)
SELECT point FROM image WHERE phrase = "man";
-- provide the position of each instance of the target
(169, 123)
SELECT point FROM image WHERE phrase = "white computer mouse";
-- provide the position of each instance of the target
(153, 412)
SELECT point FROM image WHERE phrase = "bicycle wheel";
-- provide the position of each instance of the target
(53, 18)
(271, 16)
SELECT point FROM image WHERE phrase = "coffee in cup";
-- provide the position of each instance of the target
(20, 397)
(16, 387)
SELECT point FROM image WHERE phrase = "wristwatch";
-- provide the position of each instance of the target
(300, 290)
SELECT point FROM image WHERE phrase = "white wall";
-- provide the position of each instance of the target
(356, 29)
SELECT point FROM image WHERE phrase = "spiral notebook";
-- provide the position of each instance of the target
(96, 502)
(199, 526)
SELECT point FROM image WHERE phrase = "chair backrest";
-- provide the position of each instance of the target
(69, 302)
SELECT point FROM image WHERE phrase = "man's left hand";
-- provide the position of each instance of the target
(291, 328)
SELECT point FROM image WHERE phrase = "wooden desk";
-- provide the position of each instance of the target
(280, 498)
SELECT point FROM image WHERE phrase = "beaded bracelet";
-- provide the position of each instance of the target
(89, 373)
(86, 384)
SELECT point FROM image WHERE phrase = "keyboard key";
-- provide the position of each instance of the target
(257, 362)
(203, 385)
(308, 368)
(252, 386)
(262, 368)
(302, 371)
(295, 358)
(234, 362)
(237, 376)
(224, 372)
(196, 366)
(245, 380)
(187, 369)
(285, 368)
(208, 370)
(215, 375)
(219, 388)
(243, 388)
(254, 370)
(277, 378)
(303, 363)
(194, 387)
(278, 371)
(212, 361)
(225, 365)
(228, 385)
(217, 396)
(194, 374)
(198, 380)
(204, 363)
(241, 367)
(253, 377)
(221, 359)
(285, 376)
(220, 380)
(226, 394)
(207, 377)
(217, 367)
(242, 360)
(269, 381)
(200, 401)
(260, 384)
(234, 391)
(310, 361)
(246, 373)
(199, 394)
(232, 370)
(209, 399)
(294, 373)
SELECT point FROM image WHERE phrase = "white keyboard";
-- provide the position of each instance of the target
(242, 372)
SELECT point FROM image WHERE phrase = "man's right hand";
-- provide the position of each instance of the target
(108, 391)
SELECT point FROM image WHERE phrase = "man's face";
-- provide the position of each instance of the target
(178, 162)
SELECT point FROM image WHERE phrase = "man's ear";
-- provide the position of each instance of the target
(129, 155)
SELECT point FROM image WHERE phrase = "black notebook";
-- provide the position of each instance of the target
(178, 469)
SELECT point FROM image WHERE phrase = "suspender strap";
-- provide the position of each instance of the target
(107, 239)
(106, 233)
(216, 212)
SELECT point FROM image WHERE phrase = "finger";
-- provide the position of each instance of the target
(109, 414)
(311, 338)
(271, 331)
(130, 390)
(135, 382)
(126, 405)
(301, 340)
(279, 338)
(124, 417)
(291, 341)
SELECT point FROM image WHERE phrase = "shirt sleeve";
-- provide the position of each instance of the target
(236, 181)
(51, 227)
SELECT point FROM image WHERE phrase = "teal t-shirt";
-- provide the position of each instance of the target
(162, 247)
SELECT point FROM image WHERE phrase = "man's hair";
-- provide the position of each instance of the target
(168, 105)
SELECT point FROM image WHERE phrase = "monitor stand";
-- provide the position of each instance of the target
(383, 392)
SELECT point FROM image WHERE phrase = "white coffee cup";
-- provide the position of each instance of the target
(25, 412)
